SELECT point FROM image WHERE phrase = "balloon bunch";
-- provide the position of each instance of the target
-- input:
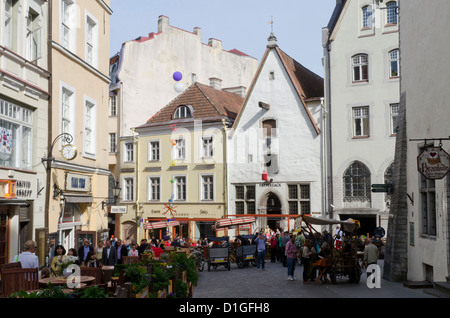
(179, 87)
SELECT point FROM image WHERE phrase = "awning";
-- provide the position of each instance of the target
(14, 202)
(348, 226)
(160, 225)
(78, 198)
(235, 221)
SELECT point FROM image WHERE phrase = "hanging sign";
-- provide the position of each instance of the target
(433, 163)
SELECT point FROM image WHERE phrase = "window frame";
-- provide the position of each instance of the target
(71, 104)
(127, 152)
(91, 40)
(394, 60)
(151, 157)
(248, 203)
(391, 11)
(128, 194)
(187, 112)
(363, 119)
(428, 210)
(113, 105)
(67, 23)
(180, 145)
(367, 17)
(360, 68)
(211, 189)
(393, 117)
(90, 150)
(176, 185)
(363, 191)
(33, 36)
(209, 148)
(151, 189)
(112, 142)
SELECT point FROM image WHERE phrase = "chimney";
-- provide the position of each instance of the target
(217, 44)
(198, 32)
(238, 90)
(163, 24)
(215, 83)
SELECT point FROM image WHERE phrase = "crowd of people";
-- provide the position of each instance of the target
(305, 249)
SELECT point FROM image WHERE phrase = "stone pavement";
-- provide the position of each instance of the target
(272, 283)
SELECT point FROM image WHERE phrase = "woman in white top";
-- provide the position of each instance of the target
(28, 259)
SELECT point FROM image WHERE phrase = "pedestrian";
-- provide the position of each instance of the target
(261, 251)
(299, 242)
(291, 256)
(370, 254)
(84, 250)
(306, 253)
(28, 259)
(133, 251)
(121, 251)
(284, 241)
(273, 249)
(57, 260)
(338, 237)
(109, 257)
(91, 260)
(143, 246)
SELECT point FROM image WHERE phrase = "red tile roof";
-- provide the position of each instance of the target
(209, 104)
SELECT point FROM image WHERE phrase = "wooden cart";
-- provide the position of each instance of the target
(339, 262)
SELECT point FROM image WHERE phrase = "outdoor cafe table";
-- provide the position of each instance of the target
(61, 281)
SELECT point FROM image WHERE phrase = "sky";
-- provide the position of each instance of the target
(240, 24)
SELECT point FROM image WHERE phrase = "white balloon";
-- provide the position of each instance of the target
(179, 87)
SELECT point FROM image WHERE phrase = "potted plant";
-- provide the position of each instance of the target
(66, 262)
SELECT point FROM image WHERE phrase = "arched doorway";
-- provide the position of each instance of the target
(273, 206)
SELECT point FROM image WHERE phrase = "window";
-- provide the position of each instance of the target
(33, 37)
(245, 199)
(113, 106)
(16, 125)
(360, 64)
(428, 205)
(299, 196)
(394, 117)
(357, 185)
(153, 151)
(128, 152)
(361, 121)
(180, 188)
(67, 24)
(391, 11)
(394, 63)
(10, 19)
(155, 188)
(112, 142)
(180, 149)
(367, 18)
(128, 194)
(207, 147)
(207, 191)
(271, 75)
(91, 41)
(182, 112)
(90, 134)
(67, 111)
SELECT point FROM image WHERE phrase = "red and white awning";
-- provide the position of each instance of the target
(160, 225)
(235, 221)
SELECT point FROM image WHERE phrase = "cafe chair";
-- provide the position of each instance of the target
(95, 272)
(130, 259)
(17, 279)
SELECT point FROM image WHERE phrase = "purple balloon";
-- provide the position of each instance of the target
(177, 76)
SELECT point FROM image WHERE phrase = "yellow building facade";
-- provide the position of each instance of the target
(174, 167)
(78, 185)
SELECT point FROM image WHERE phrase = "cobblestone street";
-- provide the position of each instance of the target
(272, 283)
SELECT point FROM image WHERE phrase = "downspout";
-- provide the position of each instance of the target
(225, 169)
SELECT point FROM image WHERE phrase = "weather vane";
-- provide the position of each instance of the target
(271, 24)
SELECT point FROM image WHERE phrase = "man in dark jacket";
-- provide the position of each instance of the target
(109, 256)
(84, 250)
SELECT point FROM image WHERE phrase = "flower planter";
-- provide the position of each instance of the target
(143, 293)
(161, 294)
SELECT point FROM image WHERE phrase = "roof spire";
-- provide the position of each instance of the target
(272, 40)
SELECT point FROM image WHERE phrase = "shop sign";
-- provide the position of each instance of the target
(24, 189)
(119, 209)
(433, 163)
(77, 182)
(270, 184)
(8, 189)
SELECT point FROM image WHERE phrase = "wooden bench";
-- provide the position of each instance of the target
(17, 279)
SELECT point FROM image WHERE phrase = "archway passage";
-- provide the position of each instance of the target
(273, 206)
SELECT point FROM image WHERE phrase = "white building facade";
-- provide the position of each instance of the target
(143, 82)
(424, 102)
(277, 137)
(361, 61)
(24, 83)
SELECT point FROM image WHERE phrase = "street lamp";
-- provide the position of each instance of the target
(114, 199)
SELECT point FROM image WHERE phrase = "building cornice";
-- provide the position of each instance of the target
(79, 168)
(80, 61)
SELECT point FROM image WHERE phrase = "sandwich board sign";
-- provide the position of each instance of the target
(433, 163)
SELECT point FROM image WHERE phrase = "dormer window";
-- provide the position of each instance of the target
(183, 112)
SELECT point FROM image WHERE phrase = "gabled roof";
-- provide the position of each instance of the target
(209, 105)
(307, 84)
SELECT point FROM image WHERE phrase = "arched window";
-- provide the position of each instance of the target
(394, 60)
(357, 182)
(182, 112)
(360, 64)
(367, 17)
(391, 11)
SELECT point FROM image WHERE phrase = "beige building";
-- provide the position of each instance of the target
(175, 168)
(24, 95)
(80, 93)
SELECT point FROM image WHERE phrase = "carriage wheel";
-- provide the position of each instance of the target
(332, 276)
(240, 263)
(201, 266)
